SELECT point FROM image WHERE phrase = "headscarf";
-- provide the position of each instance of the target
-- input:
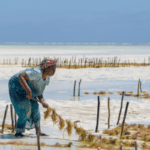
(46, 62)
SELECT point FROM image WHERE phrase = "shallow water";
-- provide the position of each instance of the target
(63, 90)
(123, 52)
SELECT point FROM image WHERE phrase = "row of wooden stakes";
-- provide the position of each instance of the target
(75, 88)
(80, 63)
(126, 109)
(14, 124)
(13, 116)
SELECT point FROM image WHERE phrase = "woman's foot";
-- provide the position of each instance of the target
(19, 134)
(38, 130)
(43, 134)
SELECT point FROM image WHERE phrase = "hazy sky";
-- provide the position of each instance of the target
(75, 21)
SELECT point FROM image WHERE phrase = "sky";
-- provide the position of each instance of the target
(75, 21)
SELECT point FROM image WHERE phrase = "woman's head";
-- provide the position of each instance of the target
(48, 66)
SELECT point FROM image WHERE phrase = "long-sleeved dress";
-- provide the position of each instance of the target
(27, 110)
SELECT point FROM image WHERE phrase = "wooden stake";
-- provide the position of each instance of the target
(97, 114)
(118, 62)
(12, 118)
(17, 60)
(79, 88)
(135, 145)
(120, 107)
(120, 146)
(22, 62)
(74, 88)
(138, 89)
(98, 63)
(38, 140)
(124, 117)
(15, 120)
(4, 118)
(85, 64)
(69, 64)
(29, 62)
(140, 86)
(108, 112)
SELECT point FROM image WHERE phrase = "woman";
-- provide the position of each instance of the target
(25, 85)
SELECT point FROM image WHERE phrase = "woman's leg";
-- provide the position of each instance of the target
(35, 114)
(23, 114)
(21, 105)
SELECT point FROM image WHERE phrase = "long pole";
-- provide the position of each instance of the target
(79, 88)
(4, 118)
(124, 117)
(74, 88)
(12, 118)
(120, 146)
(108, 112)
(135, 145)
(120, 107)
(138, 89)
(97, 114)
(15, 119)
(38, 140)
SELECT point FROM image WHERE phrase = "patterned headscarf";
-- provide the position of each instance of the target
(46, 62)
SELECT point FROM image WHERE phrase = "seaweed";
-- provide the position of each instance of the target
(69, 127)
(47, 113)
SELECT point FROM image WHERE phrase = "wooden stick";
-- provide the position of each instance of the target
(121, 146)
(140, 86)
(15, 120)
(124, 117)
(85, 65)
(135, 145)
(4, 118)
(22, 62)
(12, 118)
(98, 63)
(35, 99)
(97, 114)
(38, 140)
(120, 107)
(79, 88)
(69, 63)
(138, 89)
(108, 112)
(74, 88)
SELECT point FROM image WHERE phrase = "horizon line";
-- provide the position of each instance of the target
(54, 43)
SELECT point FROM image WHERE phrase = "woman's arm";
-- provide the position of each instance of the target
(41, 99)
(23, 77)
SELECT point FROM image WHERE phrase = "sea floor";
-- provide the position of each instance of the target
(59, 95)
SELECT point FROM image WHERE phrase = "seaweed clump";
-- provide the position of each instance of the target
(86, 93)
(54, 116)
(61, 123)
(69, 127)
(47, 113)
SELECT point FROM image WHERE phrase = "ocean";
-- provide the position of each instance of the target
(124, 52)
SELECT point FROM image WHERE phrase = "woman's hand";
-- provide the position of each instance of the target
(41, 99)
(29, 95)
(44, 104)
